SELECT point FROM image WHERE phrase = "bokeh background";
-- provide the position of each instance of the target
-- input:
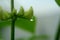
(47, 18)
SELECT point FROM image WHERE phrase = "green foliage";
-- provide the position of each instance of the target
(26, 24)
(58, 2)
(5, 14)
(22, 21)
(21, 11)
(28, 14)
(39, 37)
(5, 23)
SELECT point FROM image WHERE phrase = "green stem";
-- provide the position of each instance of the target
(58, 32)
(12, 5)
(13, 21)
(12, 28)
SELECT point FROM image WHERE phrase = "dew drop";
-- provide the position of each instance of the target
(31, 20)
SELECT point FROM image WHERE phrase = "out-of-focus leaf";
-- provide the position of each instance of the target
(26, 24)
(21, 23)
(5, 23)
(40, 37)
(58, 2)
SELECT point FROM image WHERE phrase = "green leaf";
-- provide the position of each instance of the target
(5, 23)
(40, 37)
(58, 2)
(26, 24)
(21, 23)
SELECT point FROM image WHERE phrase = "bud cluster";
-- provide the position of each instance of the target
(21, 13)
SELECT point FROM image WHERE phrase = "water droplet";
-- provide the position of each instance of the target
(31, 20)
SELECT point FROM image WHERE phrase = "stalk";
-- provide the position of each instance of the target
(58, 32)
(13, 21)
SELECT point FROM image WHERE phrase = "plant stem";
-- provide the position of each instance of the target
(12, 28)
(13, 21)
(12, 5)
(58, 32)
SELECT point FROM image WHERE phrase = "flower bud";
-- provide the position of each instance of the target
(14, 12)
(21, 11)
(6, 15)
(1, 12)
(28, 14)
